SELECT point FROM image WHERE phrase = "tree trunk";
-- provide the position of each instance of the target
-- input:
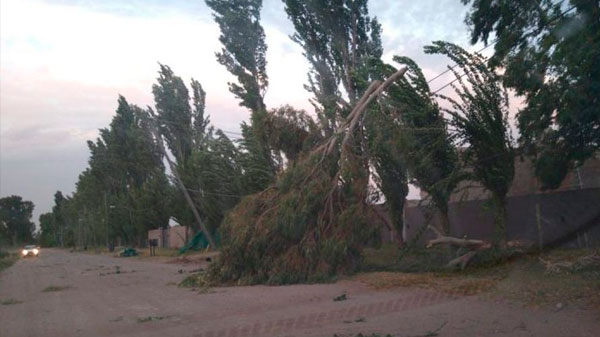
(445, 219)
(500, 220)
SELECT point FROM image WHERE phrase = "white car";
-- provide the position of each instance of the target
(30, 250)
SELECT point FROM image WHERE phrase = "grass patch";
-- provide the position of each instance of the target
(10, 301)
(506, 274)
(7, 260)
(194, 281)
(390, 267)
(55, 288)
(159, 251)
(530, 282)
(454, 283)
(389, 257)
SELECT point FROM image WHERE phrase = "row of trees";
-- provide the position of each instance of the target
(306, 184)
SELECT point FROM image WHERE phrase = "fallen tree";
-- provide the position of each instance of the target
(314, 220)
(474, 246)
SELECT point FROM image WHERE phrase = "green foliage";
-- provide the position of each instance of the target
(16, 226)
(313, 221)
(383, 137)
(429, 155)
(291, 131)
(193, 281)
(48, 237)
(286, 235)
(550, 51)
(214, 177)
(125, 191)
(174, 112)
(122, 192)
(244, 49)
(244, 56)
(479, 118)
(339, 40)
(255, 157)
(126, 165)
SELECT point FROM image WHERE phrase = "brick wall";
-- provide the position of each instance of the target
(525, 182)
(570, 213)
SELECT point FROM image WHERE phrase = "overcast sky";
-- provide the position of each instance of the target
(63, 64)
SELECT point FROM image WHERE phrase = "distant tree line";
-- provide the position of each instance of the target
(549, 53)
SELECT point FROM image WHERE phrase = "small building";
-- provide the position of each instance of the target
(170, 237)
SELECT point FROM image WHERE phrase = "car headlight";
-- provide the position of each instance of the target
(24, 252)
(35, 251)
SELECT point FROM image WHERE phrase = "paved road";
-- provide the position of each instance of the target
(142, 300)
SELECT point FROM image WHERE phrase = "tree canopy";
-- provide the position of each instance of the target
(16, 226)
(550, 53)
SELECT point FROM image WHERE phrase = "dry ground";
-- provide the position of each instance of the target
(73, 294)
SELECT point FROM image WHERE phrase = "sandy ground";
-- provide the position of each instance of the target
(143, 300)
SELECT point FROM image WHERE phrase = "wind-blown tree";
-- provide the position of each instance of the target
(172, 101)
(425, 144)
(550, 51)
(244, 49)
(47, 230)
(209, 168)
(479, 119)
(125, 161)
(53, 227)
(386, 156)
(339, 39)
(217, 175)
(244, 56)
(15, 216)
(313, 221)
(343, 45)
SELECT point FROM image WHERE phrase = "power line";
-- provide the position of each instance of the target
(454, 66)
(215, 193)
(491, 43)
(235, 133)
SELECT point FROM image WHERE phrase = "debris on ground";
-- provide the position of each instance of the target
(128, 252)
(565, 266)
(342, 297)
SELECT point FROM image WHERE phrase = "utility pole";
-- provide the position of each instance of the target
(538, 220)
(106, 219)
(156, 132)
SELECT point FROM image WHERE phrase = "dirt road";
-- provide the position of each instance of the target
(71, 294)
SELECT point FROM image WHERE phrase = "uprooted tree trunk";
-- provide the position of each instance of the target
(474, 246)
